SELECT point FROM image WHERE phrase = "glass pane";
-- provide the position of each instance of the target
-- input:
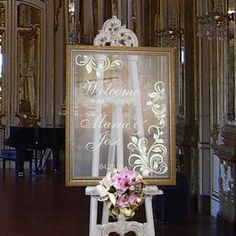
(120, 113)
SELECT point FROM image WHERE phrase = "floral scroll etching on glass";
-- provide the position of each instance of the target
(120, 114)
(151, 158)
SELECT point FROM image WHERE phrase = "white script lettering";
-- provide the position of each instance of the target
(101, 122)
(105, 88)
(103, 139)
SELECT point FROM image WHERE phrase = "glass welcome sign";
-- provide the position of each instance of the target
(120, 113)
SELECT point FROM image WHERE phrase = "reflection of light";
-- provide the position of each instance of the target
(0, 64)
(71, 7)
(231, 12)
(182, 55)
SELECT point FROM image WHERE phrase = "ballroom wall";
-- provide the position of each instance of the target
(205, 76)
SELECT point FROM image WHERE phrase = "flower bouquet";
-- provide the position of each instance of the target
(122, 191)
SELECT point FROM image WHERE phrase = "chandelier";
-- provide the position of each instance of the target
(169, 37)
(169, 32)
(214, 24)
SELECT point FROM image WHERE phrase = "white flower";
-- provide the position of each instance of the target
(103, 193)
(106, 181)
(112, 197)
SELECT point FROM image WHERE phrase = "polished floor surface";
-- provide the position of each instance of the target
(42, 205)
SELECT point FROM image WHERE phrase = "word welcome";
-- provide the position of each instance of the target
(105, 88)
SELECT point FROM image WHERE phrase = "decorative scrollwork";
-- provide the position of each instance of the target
(122, 227)
(152, 160)
(158, 109)
(100, 64)
(113, 34)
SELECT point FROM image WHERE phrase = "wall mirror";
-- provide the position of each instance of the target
(120, 113)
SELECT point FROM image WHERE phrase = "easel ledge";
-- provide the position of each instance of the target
(150, 190)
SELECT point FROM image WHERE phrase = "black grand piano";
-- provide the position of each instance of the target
(35, 141)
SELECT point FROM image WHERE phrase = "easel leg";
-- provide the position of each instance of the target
(112, 148)
(93, 217)
(133, 73)
(105, 214)
(120, 151)
(149, 215)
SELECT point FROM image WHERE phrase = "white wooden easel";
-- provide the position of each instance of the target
(114, 34)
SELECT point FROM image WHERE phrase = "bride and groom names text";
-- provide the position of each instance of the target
(102, 121)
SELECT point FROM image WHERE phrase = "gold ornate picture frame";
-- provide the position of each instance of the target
(120, 113)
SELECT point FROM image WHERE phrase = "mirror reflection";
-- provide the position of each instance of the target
(29, 33)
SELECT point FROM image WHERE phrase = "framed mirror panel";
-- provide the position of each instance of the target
(120, 113)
